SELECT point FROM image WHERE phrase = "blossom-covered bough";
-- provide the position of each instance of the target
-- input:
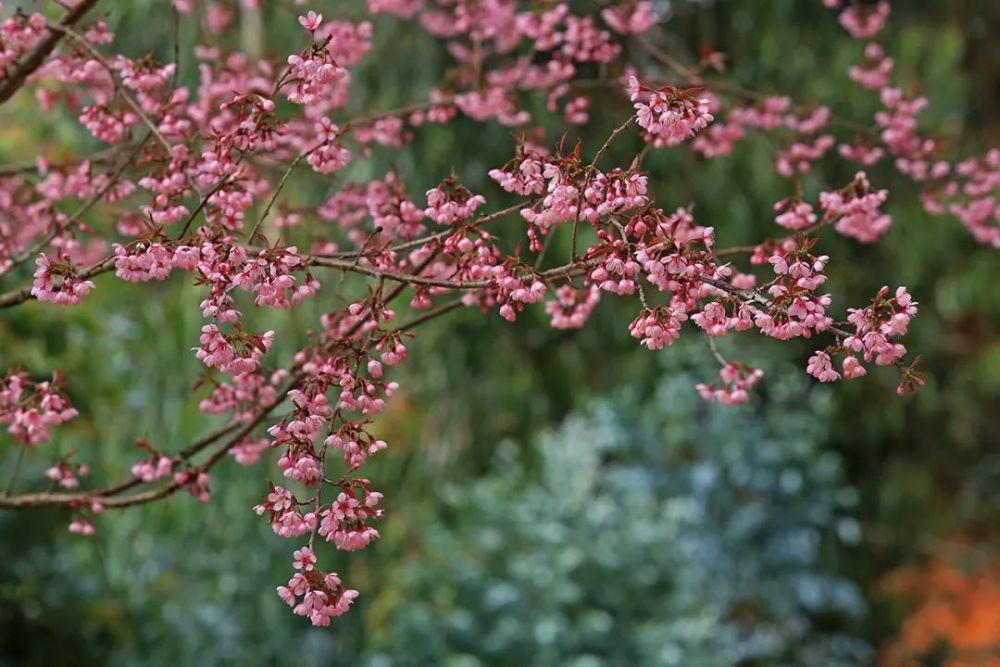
(195, 175)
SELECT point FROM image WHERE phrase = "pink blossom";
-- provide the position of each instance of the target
(855, 210)
(571, 307)
(153, 468)
(876, 75)
(794, 214)
(237, 354)
(67, 474)
(853, 368)
(668, 115)
(737, 380)
(195, 481)
(451, 204)
(861, 153)
(311, 21)
(345, 521)
(821, 368)
(248, 450)
(798, 158)
(32, 408)
(659, 327)
(304, 559)
(82, 526)
(58, 282)
(635, 19)
(143, 261)
(863, 21)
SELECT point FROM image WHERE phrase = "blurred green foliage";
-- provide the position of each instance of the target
(553, 497)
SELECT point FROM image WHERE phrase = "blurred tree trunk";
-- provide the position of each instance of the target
(251, 30)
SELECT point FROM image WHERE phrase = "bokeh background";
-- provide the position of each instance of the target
(561, 498)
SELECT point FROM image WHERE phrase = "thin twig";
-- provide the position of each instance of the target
(277, 190)
(129, 99)
(13, 473)
(86, 206)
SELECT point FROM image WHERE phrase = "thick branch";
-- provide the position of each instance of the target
(26, 66)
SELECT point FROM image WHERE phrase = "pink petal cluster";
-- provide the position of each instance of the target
(450, 204)
(794, 214)
(658, 327)
(345, 521)
(571, 307)
(195, 481)
(669, 116)
(58, 282)
(236, 354)
(31, 409)
(67, 474)
(862, 20)
(854, 210)
(155, 467)
(887, 318)
(318, 596)
(630, 18)
(875, 74)
(737, 380)
(287, 521)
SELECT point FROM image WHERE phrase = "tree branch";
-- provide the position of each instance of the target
(25, 67)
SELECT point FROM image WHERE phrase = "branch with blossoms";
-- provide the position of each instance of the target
(195, 180)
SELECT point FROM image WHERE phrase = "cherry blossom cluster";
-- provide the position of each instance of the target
(236, 353)
(877, 328)
(156, 465)
(59, 282)
(668, 115)
(451, 203)
(193, 180)
(737, 380)
(770, 114)
(571, 306)
(319, 596)
(861, 20)
(854, 210)
(287, 521)
(244, 396)
(66, 473)
(32, 408)
(18, 35)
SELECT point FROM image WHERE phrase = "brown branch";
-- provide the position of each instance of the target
(429, 315)
(437, 236)
(398, 277)
(610, 140)
(281, 184)
(101, 156)
(743, 249)
(108, 496)
(25, 67)
(18, 297)
(202, 203)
